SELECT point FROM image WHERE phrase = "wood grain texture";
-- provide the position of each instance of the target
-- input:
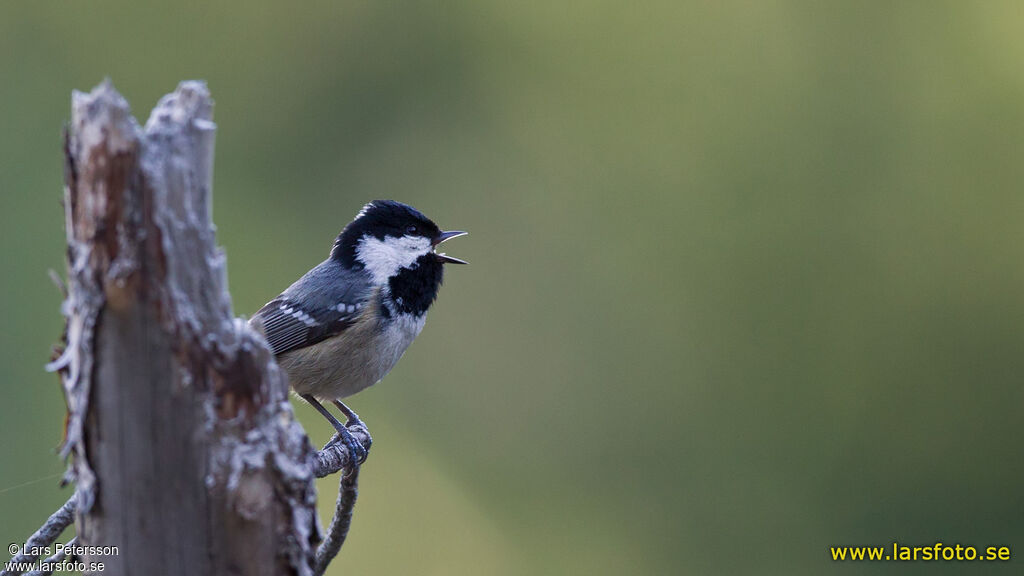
(185, 451)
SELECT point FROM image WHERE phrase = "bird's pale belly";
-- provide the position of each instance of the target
(339, 367)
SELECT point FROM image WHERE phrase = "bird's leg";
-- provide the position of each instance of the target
(355, 449)
(353, 420)
(323, 411)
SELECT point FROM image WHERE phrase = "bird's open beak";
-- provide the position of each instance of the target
(443, 237)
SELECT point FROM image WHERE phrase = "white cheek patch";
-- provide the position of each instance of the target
(384, 258)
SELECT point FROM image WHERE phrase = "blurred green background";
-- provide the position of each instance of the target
(747, 277)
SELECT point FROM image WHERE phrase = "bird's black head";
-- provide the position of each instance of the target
(383, 218)
(395, 244)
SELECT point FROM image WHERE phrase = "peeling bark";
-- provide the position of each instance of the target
(184, 448)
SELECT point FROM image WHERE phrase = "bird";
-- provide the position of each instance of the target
(343, 326)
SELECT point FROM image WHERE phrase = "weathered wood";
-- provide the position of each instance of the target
(185, 451)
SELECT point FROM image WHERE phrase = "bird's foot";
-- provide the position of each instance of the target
(353, 421)
(356, 450)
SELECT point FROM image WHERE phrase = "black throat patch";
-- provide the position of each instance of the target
(414, 289)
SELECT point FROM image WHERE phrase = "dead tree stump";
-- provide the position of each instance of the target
(184, 448)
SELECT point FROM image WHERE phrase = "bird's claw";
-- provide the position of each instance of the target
(356, 450)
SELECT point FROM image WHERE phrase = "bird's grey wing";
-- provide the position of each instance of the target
(321, 304)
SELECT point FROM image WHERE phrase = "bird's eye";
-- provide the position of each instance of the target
(411, 229)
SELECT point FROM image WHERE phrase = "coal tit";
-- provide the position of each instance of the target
(342, 327)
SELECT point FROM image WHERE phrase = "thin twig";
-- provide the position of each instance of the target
(58, 282)
(336, 534)
(45, 536)
(55, 559)
(334, 457)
